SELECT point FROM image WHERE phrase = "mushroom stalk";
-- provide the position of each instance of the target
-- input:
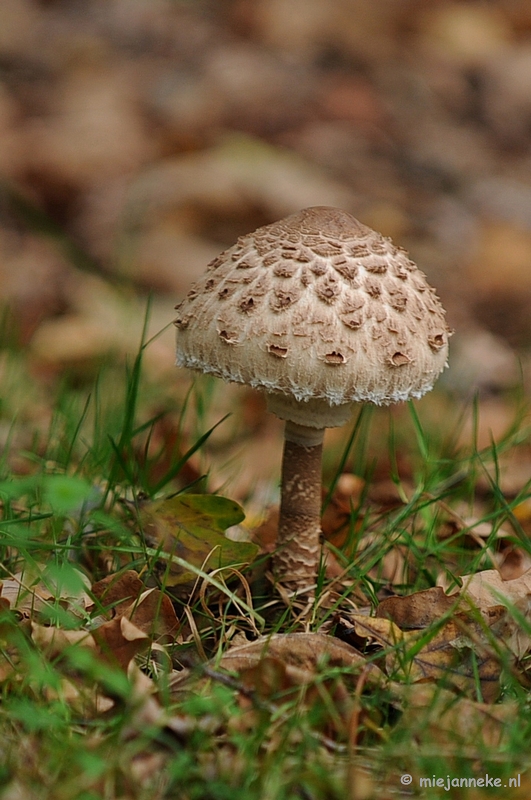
(298, 545)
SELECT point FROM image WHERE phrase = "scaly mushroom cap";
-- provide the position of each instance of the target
(319, 311)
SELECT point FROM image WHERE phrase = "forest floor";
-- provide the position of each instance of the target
(144, 651)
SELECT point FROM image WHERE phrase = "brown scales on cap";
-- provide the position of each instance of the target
(319, 311)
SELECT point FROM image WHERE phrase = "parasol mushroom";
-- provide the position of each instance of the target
(319, 312)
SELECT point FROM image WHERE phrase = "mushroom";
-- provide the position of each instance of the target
(319, 312)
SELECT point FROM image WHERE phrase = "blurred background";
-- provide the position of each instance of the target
(138, 138)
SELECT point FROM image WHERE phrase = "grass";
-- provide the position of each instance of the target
(84, 723)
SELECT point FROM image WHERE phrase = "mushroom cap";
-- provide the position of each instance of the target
(319, 311)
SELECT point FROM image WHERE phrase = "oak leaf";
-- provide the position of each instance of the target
(190, 528)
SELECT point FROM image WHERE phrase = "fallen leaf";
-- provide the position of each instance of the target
(117, 591)
(154, 614)
(272, 676)
(307, 651)
(487, 590)
(54, 641)
(458, 653)
(190, 527)
(33, 590)
(458, 724)
(276, 664)
(460, 656)
(302, 654)
(372, 629)
(119, 641)
(417, 610)
(512, 561)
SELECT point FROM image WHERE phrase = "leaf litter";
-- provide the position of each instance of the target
(435, 657)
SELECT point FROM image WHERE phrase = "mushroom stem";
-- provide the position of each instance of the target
(296, 559)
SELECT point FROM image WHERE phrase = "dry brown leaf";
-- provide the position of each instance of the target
(522, 511)
(28, 594)
(512, 561)
(417, 610)
(454, 654)
(271, 676)
(432, 714)
(142, 686)
(120, 641)
(66, 691)
(154, 614)
(25, 600)
(464, 647)
(487, 590)
(373, 629)
(151, 610)
(387, 494)
(116, 592)
(5, 605)
(300, 655)
(474, 530)
(54, 641)
(8, 664)
(87, 700)
(305, 651)
(284, 662)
